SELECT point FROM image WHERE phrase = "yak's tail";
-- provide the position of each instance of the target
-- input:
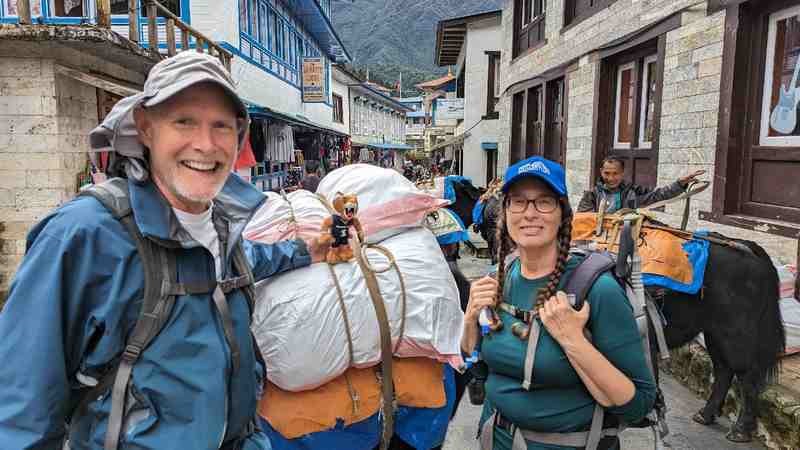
(772, 335)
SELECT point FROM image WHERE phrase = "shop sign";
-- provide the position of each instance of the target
(313, 80)
(449, 108)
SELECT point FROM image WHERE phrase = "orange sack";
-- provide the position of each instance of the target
(418, 383)
(662, 252)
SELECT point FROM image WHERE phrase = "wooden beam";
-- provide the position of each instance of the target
(24, 12)
(171, 37)
(103, 13)
(199, 44)
(152, 29)
(184, 39)
(133, 21)
(98, 81)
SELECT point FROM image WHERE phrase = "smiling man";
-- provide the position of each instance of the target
(129, 317)
(613, 193)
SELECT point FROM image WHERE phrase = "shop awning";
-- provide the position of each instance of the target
(489, 145)
(452, 141)
(263, 111)
(389, 146)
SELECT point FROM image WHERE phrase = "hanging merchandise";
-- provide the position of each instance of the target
(246, 157)
(364, 156)
(280, 143)
(347, 150)
(257, 139)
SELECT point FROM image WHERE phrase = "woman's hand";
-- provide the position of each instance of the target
(562, 321)
(482, 293)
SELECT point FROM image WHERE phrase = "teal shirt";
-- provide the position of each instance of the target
(558, 401)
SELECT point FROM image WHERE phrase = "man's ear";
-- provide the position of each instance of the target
(144, 126)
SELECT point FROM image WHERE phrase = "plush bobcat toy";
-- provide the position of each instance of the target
(336, 229)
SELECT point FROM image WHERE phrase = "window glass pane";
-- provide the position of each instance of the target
(785, 65)
(262, 25)
(121, 7)
(254, 18)
(68, 8)
(242, 15)
(626, 94)
(497, 76)
(273, 27)
(36, 7)
(648, 101)
(174, 6)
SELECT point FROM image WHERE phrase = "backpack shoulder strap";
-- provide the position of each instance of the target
(245, 272)
(160, 288)
(113, 194)
(582, 279)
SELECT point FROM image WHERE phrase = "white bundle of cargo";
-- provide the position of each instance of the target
(301, 318)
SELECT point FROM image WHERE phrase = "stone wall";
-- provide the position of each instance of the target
(690, 103)
(689, 117)
(44, 121)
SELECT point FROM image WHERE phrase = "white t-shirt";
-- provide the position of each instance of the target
(201, 228)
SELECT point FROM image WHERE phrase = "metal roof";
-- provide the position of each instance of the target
(319, 25)
(450, 35)
(437, 82)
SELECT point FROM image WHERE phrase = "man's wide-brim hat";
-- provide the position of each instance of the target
(118, 134)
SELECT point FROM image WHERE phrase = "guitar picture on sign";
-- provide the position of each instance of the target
(784, 117)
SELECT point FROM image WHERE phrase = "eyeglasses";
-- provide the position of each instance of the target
(544, 205)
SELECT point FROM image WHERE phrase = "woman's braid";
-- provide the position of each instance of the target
(504, 247)
(564, 238)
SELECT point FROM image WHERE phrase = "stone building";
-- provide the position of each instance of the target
(472, 44)
(670, 86)
(56, 82)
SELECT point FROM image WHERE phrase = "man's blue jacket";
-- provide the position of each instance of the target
(77, 296)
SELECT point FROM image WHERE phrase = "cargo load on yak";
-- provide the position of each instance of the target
(332, 335)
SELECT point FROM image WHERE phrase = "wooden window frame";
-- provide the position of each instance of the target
(526, 20)
(526, 135)
(643, 92)
(491, 99)
(573, 17)
(338, 108)
(604, 133)
(491, 165)
(739, 126)
(631, 66)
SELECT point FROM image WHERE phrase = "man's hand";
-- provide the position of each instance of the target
(684, 181)
(318, 249)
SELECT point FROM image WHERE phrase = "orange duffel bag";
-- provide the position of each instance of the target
(352, 397)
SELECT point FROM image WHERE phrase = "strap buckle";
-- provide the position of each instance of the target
(503, 423)
(229, 284)
(131, 353)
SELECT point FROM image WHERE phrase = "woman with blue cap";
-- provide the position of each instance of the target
(550, 404)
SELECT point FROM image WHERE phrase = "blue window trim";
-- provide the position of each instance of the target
(288, 29)
(289, 58)
(116, 19)
(238, 53)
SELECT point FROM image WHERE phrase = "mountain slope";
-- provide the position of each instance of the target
(390, 36)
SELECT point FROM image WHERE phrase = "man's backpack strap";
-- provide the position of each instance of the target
(160, 288)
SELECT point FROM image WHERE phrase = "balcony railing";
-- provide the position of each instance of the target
(157, 14)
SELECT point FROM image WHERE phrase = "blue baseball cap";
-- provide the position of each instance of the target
(548, 171)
